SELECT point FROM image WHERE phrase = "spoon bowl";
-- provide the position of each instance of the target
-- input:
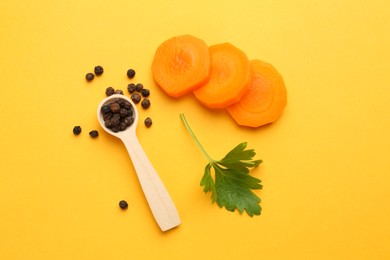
(160, 203)
(109, 100)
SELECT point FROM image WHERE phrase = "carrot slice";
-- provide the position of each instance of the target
(181, 64)
(265, 100)
(230, 77)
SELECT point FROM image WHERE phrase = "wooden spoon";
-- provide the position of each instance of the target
(160, 203)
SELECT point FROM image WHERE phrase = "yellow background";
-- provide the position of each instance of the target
(326, 169)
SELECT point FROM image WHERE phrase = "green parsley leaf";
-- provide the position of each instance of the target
(232, 187)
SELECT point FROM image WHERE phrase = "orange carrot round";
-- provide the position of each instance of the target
(265, 100)
(181, 64)
(230, 77)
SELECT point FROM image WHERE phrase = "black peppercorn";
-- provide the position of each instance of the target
(98, 70)
(131, 73)
(106, 109)
(115, 129)
(145, 103)
(89, 76)
(130, 112)
(107, 123)
(131, 88)
(122, 126)
(123, 204)
(120, 101)
(94, 133)
(129, 120)
(126, 104)
(145, 92)
(139, 87)
(115, 120)
(110, 91)
(115, 107)
(136, 98)
(107, 116)
(77, 130)
(148, 122)
(123, 112)
(118, 91)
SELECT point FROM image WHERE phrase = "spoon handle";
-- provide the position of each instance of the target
(160, 203)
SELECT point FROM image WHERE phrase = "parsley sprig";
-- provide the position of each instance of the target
(232, 185)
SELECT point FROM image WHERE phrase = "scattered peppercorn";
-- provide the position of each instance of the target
(145, 92)
(139, 87)
(145, 103)
(148, 122)
(131, 88)
(98, 70)
(123, 204)
(136, 98)
(118, 91)
(110, 91)
(94, 133)
(89, 76)
(131, 73)
(77, 130)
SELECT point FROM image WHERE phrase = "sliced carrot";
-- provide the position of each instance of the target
(230, 77)
(181, 64)
(265, 100)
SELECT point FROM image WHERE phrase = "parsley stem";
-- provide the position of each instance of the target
(183, 118)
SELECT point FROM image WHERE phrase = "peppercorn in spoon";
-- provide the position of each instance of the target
(118, 116)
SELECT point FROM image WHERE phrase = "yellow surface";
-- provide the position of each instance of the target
(326, 169)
